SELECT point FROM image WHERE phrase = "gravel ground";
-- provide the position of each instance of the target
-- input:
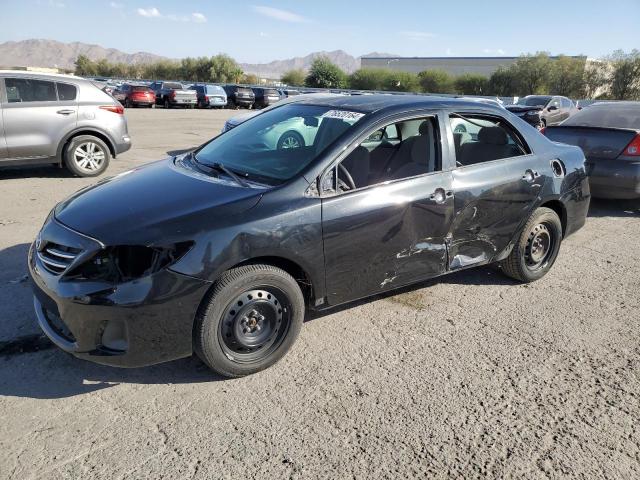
(468, 376)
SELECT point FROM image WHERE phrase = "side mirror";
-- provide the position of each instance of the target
(311, 121)
(552, 108)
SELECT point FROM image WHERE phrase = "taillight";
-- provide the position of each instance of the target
(633, 149)
(206, 98)
(119, 109)
(543, 129)
(173, 94)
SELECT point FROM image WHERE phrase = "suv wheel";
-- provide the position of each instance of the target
(86, 156)
(537, 248)
(249, 320)
(166, 103)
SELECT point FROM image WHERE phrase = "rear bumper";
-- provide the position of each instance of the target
(614, 179)
(138, 323)
(123, 145)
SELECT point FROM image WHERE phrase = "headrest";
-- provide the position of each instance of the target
(425, 128)
(492, 135)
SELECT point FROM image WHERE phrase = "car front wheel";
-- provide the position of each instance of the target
(87, 156)
(249, 320)
(537, 248)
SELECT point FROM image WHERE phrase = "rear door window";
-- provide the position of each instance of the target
(480, 139)
(66, 92)
(20, 90)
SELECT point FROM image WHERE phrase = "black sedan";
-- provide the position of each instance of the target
(222, 250)
(609, 135)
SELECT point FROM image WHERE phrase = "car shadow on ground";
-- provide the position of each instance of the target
(33, 171)
(614, 208)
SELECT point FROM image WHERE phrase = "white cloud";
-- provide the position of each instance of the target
(149, 12)
(278, 14)
(153, 12)
(497, 51)
(115, 5)
(414, 35)
(198, 17)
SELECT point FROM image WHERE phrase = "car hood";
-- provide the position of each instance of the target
(157, 203)
(523, 108)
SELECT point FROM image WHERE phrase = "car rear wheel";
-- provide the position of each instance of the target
(290, 139)
(249, 320)
(166, 103)
(87, 156)
(127, 103)
(537, 248)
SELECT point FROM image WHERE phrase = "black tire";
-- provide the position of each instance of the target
(79, 146)
(230, 306)
(537, 248)
(166, 103)
(290, 138)
(231, 105)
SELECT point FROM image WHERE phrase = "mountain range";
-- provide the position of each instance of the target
(51, 53)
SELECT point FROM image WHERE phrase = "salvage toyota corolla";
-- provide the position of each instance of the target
(221, 250)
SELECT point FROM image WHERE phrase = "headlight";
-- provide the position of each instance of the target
(128, 262)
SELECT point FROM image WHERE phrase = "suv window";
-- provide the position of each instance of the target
(66, 92)
(173, 86)
(555, 101)
(29, 90)
(399, 150)
(566, 103)
(480, 139)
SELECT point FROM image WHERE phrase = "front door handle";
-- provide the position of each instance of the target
(65, 112)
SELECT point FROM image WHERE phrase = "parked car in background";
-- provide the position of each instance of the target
(238, 96)
(222, 250)
(174, 94)
(265, 96)
(210, 96)
(59, 119)
(135, 95)
(543, 110)
(609, 135)
(290, 93)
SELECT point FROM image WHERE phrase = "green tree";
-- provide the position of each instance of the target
(567, 76)
(625, 75)
(325, 74)
(503, 83)
(472, 84)
(294, 77)
(250, 79)
(594, 79)
(85, 67)
(436, 81)
(225, 69)
(369, 79)
(401, 82)
(532, 73)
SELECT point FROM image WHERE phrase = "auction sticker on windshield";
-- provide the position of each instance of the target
(343, 115)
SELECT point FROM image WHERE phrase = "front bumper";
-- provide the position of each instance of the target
(137, 323)
(614, 179)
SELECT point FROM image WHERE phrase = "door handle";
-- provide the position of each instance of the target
(530, 175)
(440, 196)
(65, 112)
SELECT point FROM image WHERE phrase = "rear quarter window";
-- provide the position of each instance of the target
(66, 92)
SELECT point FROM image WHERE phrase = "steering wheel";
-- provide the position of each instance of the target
(349, 179)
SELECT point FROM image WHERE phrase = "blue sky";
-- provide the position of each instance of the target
(261, 30)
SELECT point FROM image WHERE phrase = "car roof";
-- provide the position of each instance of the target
(44, 76)
(377, 102)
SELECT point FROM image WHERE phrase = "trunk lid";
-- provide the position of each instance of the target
(595, 142)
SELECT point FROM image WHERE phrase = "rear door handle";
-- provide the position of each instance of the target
(440, 196)
(65, 112)
(530, 175)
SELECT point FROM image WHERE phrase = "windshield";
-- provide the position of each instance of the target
(607, 116)
(276, 145)
(533, 101)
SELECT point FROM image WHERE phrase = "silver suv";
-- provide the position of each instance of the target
(59, 119)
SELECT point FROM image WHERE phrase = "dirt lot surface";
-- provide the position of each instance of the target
(469, 376)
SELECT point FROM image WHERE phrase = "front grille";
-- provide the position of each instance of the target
(57, 258)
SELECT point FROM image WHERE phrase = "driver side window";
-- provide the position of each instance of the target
(398, 150)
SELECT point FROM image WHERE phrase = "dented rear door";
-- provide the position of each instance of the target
(386, 236)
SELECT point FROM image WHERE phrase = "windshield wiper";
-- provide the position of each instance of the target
(220, 167)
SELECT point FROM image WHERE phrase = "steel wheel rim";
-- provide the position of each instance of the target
(540, 246)
(89, 156)
(254, 324)
(290, 141)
